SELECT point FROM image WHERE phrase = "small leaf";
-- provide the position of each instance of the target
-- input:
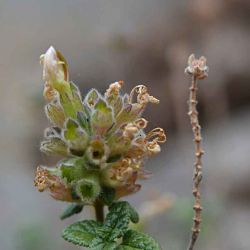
(118, 218)
(107, 195)
(84, 233)
(134, 240)
(71, 210)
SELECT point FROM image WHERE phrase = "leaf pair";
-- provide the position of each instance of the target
(103, 236)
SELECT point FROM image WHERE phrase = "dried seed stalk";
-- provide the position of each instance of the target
(198, 70)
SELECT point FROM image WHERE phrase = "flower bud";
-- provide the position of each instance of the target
(54, 66)
(197, 67)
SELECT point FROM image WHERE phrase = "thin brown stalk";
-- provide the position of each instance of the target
(99, 211)
(198, 70)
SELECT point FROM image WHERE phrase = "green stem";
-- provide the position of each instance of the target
(99, 211)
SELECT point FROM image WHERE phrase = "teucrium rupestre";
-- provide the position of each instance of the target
(103, 146)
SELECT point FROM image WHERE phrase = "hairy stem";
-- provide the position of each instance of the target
(193, 114)
(99, 211)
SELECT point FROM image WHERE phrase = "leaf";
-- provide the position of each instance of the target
(118, 218)
(71, 210)
(105, 246)
(107, 195)
(84, 233)
(134, 240)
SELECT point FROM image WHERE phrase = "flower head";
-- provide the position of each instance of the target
(100, 137)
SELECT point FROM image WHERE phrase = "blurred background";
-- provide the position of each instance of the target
(145, 42)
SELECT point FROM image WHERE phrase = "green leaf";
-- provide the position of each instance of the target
(84, 233)
(117, 220)
(71, 210)
(107, 195)
(105, 246)
(134, 240)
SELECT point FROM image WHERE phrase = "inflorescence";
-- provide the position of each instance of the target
(100, 137)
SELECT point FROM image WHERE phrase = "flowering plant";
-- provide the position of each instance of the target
(103, 145)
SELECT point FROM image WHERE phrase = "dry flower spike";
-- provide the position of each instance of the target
(198, 69)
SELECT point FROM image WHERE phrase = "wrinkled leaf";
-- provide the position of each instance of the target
(71, 210)
(134, 240)
(105, 246)
(117, 220)
(84, 233)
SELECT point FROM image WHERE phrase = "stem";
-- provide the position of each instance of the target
(197, 177)
(99, 211)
